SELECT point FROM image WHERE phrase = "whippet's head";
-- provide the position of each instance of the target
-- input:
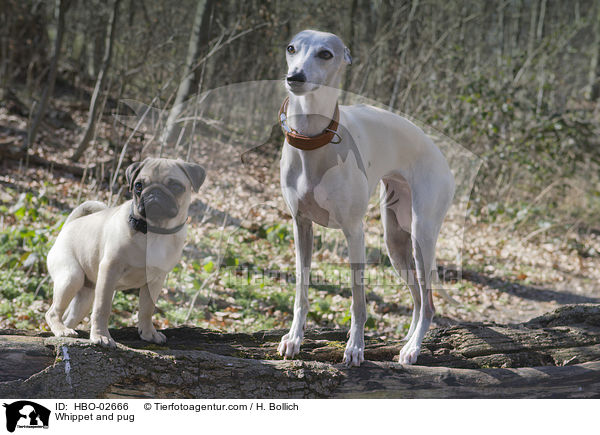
(315, 59)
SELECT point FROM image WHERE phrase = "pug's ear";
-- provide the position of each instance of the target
(194, 172)
(347, 57)
(132, 172)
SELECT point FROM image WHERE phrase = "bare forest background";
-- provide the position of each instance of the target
(516, 82)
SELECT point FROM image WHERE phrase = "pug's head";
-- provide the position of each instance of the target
(162, 189)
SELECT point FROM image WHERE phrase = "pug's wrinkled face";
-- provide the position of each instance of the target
(162, 188)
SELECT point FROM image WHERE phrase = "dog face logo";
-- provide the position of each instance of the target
(26, 414)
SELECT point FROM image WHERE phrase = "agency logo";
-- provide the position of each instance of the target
(26, 414)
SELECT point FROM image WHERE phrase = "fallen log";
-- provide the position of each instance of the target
(552, 356)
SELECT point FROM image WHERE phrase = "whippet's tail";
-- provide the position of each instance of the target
(88, 207)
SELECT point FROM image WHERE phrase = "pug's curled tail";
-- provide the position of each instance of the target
(84, 209)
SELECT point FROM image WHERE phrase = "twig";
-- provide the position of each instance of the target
(39, 286)
(536, 232)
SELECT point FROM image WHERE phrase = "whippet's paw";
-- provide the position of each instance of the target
(354, 354)
(66, 332)
(409, 354)
(152, 335)
(289, 345)
(102, 340)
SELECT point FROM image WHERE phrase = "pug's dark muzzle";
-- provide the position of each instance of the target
(157, 203)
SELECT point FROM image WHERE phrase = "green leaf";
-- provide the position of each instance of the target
(23, 257)
(20, 213)
(33, 213)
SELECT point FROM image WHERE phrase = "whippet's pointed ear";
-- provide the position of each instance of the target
(347, 57)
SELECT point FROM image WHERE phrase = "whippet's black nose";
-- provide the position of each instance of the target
(296, 78)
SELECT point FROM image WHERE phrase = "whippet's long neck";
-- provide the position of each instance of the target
(310, 114)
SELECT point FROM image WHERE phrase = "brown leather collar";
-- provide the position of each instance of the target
(308, 143)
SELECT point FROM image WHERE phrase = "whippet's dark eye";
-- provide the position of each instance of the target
(291, 49)
(137, 187)
(325, 54)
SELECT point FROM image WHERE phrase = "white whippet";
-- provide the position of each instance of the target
(331, 185)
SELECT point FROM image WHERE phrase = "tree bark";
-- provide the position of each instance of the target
(198, 39)
(62, 6)
(100, 82)
(555, 355)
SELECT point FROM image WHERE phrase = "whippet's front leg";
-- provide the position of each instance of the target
(303, 239)
(355, 348)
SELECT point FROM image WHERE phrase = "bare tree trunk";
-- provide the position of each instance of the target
(516, 28)
(61, 7)
(541, 76)
(198, 38)
(462, 31)
(101, 80)
(531, 37)
(407, 39)
(351, 32)
(593, 87)
(540, 25)
(5, 25)
(542, 82)
(500, 49)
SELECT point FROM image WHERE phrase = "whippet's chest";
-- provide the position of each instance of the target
(321, 185)
(299, 195)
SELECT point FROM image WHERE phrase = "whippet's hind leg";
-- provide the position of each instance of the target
(396, 215)
(424, 240)
(303, 240)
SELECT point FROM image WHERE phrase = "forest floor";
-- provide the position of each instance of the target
(237, 270)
